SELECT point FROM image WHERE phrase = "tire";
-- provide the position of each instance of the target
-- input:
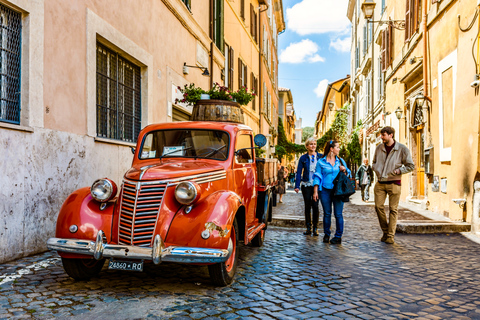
(222, 273)
(82, 269)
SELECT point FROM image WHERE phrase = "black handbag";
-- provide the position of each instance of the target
(342, 186)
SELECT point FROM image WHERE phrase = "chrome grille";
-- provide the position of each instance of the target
(139, 211)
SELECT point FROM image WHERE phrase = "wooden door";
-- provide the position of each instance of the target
(419, 162)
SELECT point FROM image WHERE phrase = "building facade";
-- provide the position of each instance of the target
(425, 64)
(80, 80)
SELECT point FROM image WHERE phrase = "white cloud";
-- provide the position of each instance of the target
(342, 45)
(305, 50)
(321, 88)
(318, 16)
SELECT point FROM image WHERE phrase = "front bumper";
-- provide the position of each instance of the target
(157, 253)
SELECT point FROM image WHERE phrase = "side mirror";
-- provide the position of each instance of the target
(132, 149)
(260, 140)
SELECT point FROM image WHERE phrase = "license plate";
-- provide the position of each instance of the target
(125, 265)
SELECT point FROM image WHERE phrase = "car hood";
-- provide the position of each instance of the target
(171, 169)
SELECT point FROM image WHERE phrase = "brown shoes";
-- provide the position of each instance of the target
(389, 240)
(384, 237)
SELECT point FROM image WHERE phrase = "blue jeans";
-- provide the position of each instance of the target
(327, 200)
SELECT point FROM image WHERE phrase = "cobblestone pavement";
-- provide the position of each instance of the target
(291, 277)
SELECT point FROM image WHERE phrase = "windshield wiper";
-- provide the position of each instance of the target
(211, 153)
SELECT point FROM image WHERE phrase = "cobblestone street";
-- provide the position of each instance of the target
(291, 277)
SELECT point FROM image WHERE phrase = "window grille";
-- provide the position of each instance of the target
(118, 96)
(10, 56)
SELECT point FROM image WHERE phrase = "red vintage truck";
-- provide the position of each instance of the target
(195, 189)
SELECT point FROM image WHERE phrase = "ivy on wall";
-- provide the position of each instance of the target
(285, 148)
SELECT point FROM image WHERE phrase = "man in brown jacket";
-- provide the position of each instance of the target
(391, 160)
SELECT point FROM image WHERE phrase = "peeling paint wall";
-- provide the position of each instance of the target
(38, 174)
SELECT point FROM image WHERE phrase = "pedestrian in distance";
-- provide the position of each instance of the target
(391, 160)
(327, 170)
(304, 180)
(364, 178)
(280, 182)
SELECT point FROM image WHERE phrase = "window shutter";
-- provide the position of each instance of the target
(255, 26)
(245, 76)
(415, 15)
(383, 60)
(364, 39)
(239, 73)
(232, 68)
(242, 10)
(252, 17)
(252, 86)
(388, 53)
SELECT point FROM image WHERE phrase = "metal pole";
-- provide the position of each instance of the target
(372, 77)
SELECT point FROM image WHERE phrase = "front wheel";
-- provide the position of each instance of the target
(82, 269)
(222, 273)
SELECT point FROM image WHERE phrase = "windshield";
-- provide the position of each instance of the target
(212, 144)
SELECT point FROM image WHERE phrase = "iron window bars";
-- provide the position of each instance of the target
(118, 96)
(10, 57)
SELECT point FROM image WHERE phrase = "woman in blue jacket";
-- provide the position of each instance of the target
(326, 171)
(304, 179)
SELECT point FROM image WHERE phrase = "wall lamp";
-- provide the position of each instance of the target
(398, 113)
(205, 70)
(368, 8)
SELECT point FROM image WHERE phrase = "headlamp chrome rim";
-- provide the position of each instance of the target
(186, 192)
(103, 190)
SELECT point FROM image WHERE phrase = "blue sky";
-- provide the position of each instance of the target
(313, 51)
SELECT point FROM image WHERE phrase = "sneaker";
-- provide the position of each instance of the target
(384, 238)
(326, 239)
(389, 240)
(336, 240)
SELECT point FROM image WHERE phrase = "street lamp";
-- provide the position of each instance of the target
(368, 7)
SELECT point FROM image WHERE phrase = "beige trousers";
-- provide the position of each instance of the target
(381, 191)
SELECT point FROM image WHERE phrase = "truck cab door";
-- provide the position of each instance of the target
(245, 174)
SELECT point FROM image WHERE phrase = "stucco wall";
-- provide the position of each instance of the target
(39, 173)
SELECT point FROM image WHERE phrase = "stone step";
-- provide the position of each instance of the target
(431, 226)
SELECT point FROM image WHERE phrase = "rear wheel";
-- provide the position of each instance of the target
(222, 273)
(82, 269)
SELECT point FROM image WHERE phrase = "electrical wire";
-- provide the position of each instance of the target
(471, 23)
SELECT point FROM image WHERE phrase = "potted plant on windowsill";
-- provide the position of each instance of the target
(223, 105)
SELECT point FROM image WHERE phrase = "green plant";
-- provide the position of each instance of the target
(191, 94)
(242, 96)
(285, 147)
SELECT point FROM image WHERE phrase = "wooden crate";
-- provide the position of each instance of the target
(266, 171)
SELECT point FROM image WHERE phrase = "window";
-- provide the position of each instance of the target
(447, 79)
(244, 147)
(365, 39)
(412, 17)
(383, 6)
(118, 96)
(386, 49)
(10, 45)
(357, 58)
(218, 24)
(253, 23)
(188, 3)
(368, 93)
(381, 80)
(242, 74)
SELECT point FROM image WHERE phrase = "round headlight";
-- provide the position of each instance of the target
(103, 190)
(186, 192)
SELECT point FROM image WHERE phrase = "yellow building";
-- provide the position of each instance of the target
(336, 96)
(82, 80)
(425, 88)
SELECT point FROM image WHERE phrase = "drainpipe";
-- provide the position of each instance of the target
(211, 43)
(425, 60)
(260, 84)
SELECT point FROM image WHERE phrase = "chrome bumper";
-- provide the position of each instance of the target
(157, 253)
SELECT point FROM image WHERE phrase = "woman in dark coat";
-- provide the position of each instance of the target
(281, 182)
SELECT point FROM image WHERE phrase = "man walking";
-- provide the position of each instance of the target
(364, 178)
(391, 160)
